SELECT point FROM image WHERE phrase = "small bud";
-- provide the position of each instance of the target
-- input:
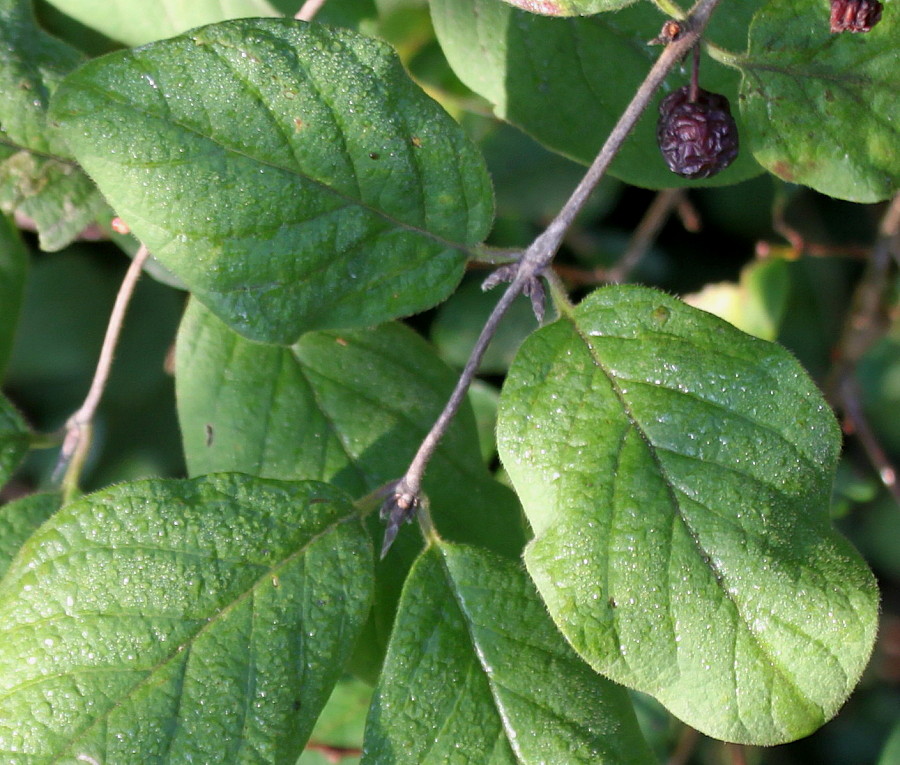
(119, 226)
(698, 138)
(854, 15)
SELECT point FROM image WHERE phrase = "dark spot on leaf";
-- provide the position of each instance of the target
(296, 705)
(209, 434)
(783, 170)
(612, 603)
(661, 314)
(374, 155)
(829, 96)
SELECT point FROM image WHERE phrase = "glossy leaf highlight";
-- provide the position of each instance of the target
(476, 672)
(680, 509)
(202, 620)
(291, 175)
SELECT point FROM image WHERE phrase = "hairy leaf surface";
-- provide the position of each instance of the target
(476, 672)
(822, 109)
(677, 475)
(567, 81)
(18, 521)
(36, 178)
(202, 620)
(291, 175)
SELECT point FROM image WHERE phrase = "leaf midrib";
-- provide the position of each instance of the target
(671, 491)
(187, 643)
(132, 108)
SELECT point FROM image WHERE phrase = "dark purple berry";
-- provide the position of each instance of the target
(854, 15)
(697, 138)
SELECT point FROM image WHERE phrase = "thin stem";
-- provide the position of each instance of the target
(695, 76)
(78, 427)
(412, 481)
(537, 257)
(544, 248)
(684, 749)
(738, 753)
(309, 9)
(865, 325)
(645, 234)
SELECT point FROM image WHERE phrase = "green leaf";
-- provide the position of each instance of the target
(822, 109)
(36, 177)
(14, 440)
(136, 23)
(476, 672)
(568, 7)
(177, 621)
(349, 408)
(18, 521)
(302, 182)
(566, 81)
(680, 510)
(53, 193)
(755, 304)
(13, 268)
(32, 64)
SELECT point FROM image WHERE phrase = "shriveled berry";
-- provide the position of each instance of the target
(697, 138)
(854, 15)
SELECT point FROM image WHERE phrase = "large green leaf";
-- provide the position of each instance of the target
(13, 268)
(567, 81)
(14, 440)
(677, 474)
(476, 672)
(177, 621)
(136, 22)
(290, 174)
(18, 521)
(822, 109)
(36, 177)
(349, 408)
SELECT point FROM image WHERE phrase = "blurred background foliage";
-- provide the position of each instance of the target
(777, 260)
